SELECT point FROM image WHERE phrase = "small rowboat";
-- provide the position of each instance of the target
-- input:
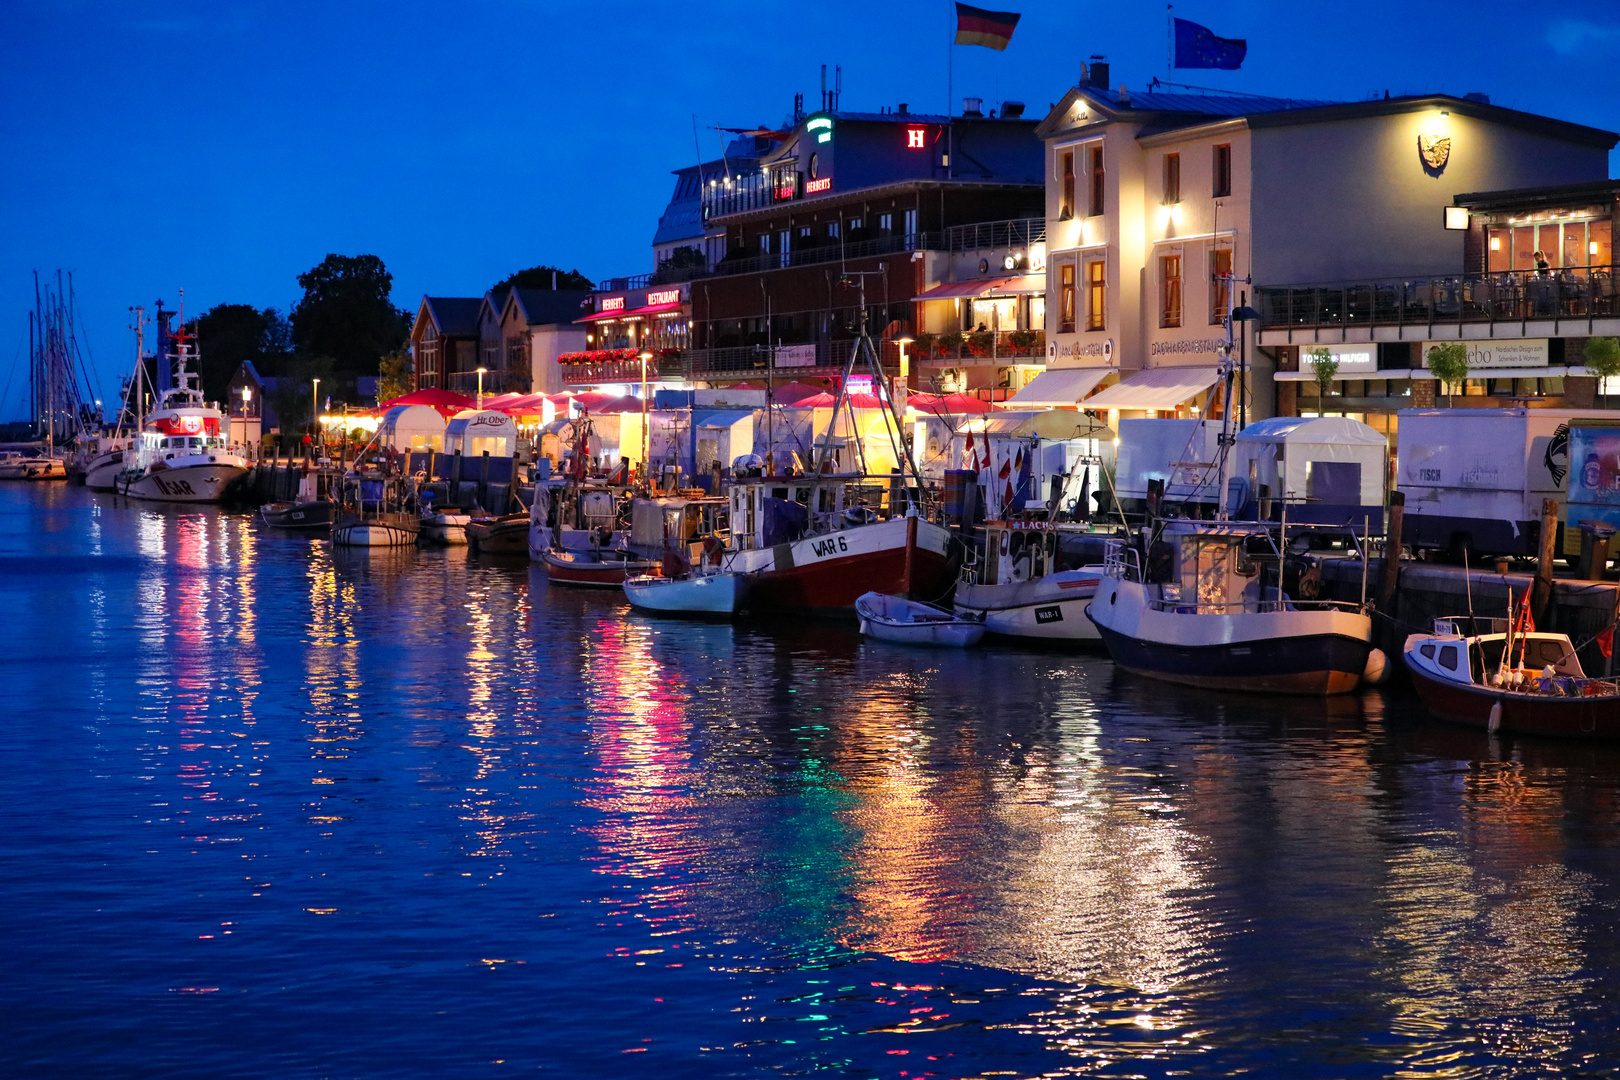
(446, 527)
(716, 595)
(1538, 689)
(314, 515)
(911, 622)
(504, 535)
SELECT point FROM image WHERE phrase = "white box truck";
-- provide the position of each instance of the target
(1474, 479)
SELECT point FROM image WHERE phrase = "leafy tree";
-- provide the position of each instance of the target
(1325, 367)
(294, 396)
(393, 376)
(1603, 358)
(346, 313)
(1449, 363)
(681, 260)
(228, 335)
(539, 277)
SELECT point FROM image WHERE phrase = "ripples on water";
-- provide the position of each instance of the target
(276, 810)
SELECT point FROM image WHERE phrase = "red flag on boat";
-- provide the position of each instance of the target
(1605, 641)
(1006, 469)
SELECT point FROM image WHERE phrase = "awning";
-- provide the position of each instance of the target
(722, 420)
(999, 286)
(1047, 424)
(655, 309)
(1156, 388)
(1062, 386)
(603, 316)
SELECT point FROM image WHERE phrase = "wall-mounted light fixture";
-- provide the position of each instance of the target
(1496, 243)
(1456, 218)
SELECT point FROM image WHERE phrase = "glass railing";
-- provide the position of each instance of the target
(1587, 292)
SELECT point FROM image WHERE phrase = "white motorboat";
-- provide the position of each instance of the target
(705, 595)
(911, 622)
(447, 528)
(15, 465)
(1017, 592)
(182, 454)
(371, 513)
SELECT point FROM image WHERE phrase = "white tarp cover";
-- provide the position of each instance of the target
(473, 431)
(412, 427)
(1148, 450)
(1156, 388)
(1063, 386)
(1285, 448)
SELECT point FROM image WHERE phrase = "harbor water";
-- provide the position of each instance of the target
(275, 810)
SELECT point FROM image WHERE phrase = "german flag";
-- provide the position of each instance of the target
(992, 29)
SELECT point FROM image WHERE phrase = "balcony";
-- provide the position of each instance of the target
(981, 348)
(496, 381)
(999, 235)
(617, 366)
(1501, 302)
(620, 284)
(829, 253)
(792, 361)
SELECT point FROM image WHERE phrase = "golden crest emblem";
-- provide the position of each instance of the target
(1435, 150)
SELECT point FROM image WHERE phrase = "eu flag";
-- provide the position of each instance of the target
(1197, 47)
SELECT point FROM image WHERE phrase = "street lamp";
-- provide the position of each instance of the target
(247, 395)
(1241, 314)
(646, 471)
(315, 408)
(481, 386)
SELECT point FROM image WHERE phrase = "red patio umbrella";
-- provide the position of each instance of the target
(822, 400)
(964, 403)
(592, 399)
(448, 402)
(794, 392)
(922, 399)
(629, 403)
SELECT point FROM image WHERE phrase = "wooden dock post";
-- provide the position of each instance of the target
(1392, 551)
(1542, 605)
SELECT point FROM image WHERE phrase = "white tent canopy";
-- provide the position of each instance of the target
(1331, 459)
(1061, 386)
(412, 427)
(474, 431)
(1156, 388)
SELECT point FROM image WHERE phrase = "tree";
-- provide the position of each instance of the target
(1449, 363)
(228, 335)
(346, 314)
(294, 395)
(680, 261)
(1603, 358)
(1325, 367)
(393, 376)
(540, 277)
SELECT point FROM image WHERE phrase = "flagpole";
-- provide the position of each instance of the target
(1170, 41)
(950, 93)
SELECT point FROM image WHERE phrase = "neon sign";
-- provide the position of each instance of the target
(669, 296)
(813, 186)
(613, 303)
(916, 138)
(821, 126)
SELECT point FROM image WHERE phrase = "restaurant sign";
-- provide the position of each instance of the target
(666, 296)
(1487, 355)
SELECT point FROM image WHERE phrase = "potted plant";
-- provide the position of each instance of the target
(1449, 364)
(1603, 359)
(1324, 367)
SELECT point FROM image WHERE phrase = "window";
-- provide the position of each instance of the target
(1096, 181)
(1066, 199)
(1066, 299)
(856, 224)
(832, 230)
(804, 232)
(1220, 285)
(1169, 290)
(783, 242)
(1448, 657)
(1172, 179)
(911, 222)
(1096, 295)
(765, 242)
(1223, 170)
(885, 223)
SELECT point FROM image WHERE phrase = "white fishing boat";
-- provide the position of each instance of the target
(183, 454)
(912, 622)
(371, 513)
(447, 528)
(1017, 590)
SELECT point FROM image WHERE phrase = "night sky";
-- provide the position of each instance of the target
(227, 147)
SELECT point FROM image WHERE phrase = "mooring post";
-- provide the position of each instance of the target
(1544, 562)
(1392, 550)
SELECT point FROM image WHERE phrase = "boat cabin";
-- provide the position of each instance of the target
(1207, 569)
(1018, 551)
(660, 524)
(1456, 658)
(771, 510)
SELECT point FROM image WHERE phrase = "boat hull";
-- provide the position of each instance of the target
(1522, 714)
(314, 516)
(827, 573)
(588, 571)
(102, 473)
(707, 596)
(502, 536)
(907, 622)
(1314, 652)
(372, 534)
(1051, 608)
(205, 482)
(34, 469)
(445, 530)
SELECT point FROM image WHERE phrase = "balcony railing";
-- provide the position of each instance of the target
(1512, 296)
(496, 381)
(984, 347)
(1012, 233)
(792, 361)
(616, 284)
(617, 366)
(830, 252)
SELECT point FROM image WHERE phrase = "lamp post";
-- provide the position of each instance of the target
(481, 386)
(315, 411)
(247, 395)
(1242, 314)
(646, 437)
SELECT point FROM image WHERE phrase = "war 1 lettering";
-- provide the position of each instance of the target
(1048, 614)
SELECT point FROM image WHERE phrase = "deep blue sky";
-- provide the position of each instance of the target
(227, 147)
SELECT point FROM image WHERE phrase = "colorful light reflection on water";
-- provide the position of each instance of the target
(274, 810)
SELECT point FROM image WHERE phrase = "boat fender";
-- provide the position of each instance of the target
(864, 630)
(1377, 670)
(1494, 724)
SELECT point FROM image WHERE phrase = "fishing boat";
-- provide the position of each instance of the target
(314, 515)
(182, 454)
(1018, 591)
(372, 513)
(1202, 612)
(507, 534)
(1514, 680)
(911, 622)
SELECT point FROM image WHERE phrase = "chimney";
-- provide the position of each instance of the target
(1475, 95)
(903, 108)
(1124, 96)
(1098, 74)
(972, 106)
(1012, 110)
